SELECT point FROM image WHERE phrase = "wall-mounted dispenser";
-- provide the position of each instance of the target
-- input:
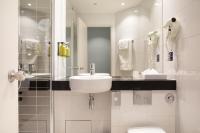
(172, 29)
(63, 49)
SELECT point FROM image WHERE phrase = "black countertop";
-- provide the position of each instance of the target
(118, 83)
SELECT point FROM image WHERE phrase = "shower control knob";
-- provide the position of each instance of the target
(12, 76)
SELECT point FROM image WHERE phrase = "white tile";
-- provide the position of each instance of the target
(75, 106)
(78, 126)
(191, 53)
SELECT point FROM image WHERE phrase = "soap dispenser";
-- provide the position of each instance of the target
(64, 49)
(60, 47)
(67, 50)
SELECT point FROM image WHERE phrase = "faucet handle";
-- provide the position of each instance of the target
(92, 66)
(92, 69)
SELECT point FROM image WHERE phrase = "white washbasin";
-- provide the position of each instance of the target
(97, 74)
(90, 83)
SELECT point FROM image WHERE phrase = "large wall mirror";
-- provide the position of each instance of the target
(120, 39)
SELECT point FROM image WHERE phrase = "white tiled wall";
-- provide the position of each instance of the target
(158, 114)
(72, 113)
(34, 111)
(188, 69)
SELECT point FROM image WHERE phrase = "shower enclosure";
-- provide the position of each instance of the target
(35, 60)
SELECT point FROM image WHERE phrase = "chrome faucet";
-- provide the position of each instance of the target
(92, 69)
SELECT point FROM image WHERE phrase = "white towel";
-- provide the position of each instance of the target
(125, 51)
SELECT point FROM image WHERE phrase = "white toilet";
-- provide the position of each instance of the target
(146, 130)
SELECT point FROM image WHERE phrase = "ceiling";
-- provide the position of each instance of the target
(43, 6)
(102, 6)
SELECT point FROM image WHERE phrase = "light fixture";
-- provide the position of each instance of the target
(122, 4)
(29, 4)
(157, 4)
(135, 11)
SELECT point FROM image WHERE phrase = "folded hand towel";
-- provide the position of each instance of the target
(125, 48)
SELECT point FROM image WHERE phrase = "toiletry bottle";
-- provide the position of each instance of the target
(64, 50)
(68, 50)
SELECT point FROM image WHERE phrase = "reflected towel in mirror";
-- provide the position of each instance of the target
(125, 51)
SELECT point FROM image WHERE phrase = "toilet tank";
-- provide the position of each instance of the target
(146, 130)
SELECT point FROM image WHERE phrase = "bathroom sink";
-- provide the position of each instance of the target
(90, 83)
(97, 74)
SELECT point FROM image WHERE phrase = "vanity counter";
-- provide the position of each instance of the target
(118, 83)
(142, 84)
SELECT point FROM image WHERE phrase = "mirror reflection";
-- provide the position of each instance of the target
(124, 39)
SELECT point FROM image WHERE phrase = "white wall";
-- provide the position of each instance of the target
(188, 69)
(129, 115)
(98, 20)
(58, 35)
(72, 113)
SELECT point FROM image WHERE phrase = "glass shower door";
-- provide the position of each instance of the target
(34, 60)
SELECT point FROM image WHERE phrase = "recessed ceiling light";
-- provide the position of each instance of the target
(135, 11)
(157, 4)
(122, 4)
(29, 4)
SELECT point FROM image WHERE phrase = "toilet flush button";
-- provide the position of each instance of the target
(170, 98)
